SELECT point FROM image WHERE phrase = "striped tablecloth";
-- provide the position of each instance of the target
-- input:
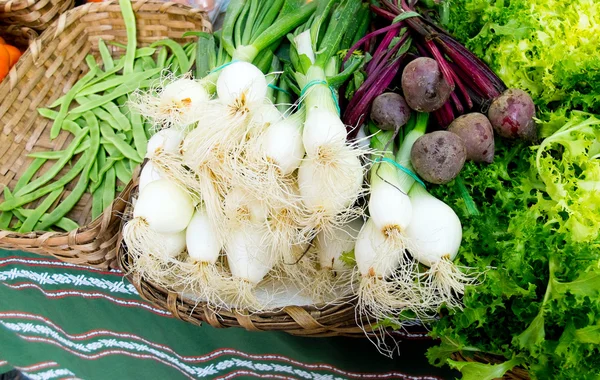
(59, 320)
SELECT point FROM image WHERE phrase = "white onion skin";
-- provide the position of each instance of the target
(173, 244)
(149, 174)
(164, 206)
(168, 140)
(241, 78)
(389, 207)
(282, 144)
(245, 254)
(333, 189)
(435, 229)
(375, 255)
(331, 248)
(203, 243)
(322, 127)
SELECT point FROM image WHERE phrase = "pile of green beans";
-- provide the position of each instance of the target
(109, 138)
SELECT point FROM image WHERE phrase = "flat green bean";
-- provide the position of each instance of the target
(6, 216)
(177, 50)
(31, 221)
(110, 149)
(94, 172)
(116, 82)
(125, 149)
(109, 64)
(64, 224)
(132, 165)
(56, 155)
(122, 121)
(57, 167)
(29, 173)
(92, 64)
(110, 182)
(140, 140)
(5, 219)
(97, 206)
(123, 89)
(71, 127)
(109, 164)
(65, 179)
(148, 63)
(144, 52)
(123, 171)
(161, 59)
(138, 67)
(130, 28)
(71, 200)
(64, 108)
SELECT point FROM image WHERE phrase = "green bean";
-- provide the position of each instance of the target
(31, 221)
(169, 62)
(48, 113)
(92, 64)
(137, 66)
(6, 216)
(116, 82)
(94, 172)
(129, 138)
(71, 200)
(105, 54)
(29, 173)
(148, 63)
(125, 149)
(56, 155)
(118, 44)
(122, 121)
(100, 78)
(130, 28)
(56, 168)
(110, 182)
(132, 165)
(71, 127)
(140, 140)
(64, 223)
(64, 108)
(145, 52)
(177, 50)
(110, 149)
(65, 179)
(123, 89)
(123, 171)
(162, 57)
(97, 206)
(109, 164)
(5, 219)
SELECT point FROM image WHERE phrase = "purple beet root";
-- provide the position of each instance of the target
(438, 157)
(390, 111)
(478, 135)
(511, 115)
(424, 86)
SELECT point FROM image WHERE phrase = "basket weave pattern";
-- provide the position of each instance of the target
(18, 36)
(36, 14)
(46, 71)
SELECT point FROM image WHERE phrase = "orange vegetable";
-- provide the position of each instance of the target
(2, 42)
(4, 62)
(14, 54)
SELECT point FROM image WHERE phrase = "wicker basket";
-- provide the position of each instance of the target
(36, 14)
(309, 321)
(47, 71)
